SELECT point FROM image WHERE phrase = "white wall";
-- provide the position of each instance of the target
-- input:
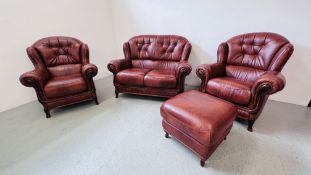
(105, 24)
(206, 23)
(24, 22)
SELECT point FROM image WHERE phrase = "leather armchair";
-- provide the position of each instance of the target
(62, 74)
(247, 71)
(154, 65)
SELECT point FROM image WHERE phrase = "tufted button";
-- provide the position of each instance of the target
(48, 45)
(66, 51)
(61, 52)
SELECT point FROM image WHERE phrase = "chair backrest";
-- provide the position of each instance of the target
(59, 55)
(248, 56)
(157, 51)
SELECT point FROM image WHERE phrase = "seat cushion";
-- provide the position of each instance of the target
(204, 117)
(132, 76)
(160, 79)
(230, 89)
(65, 85)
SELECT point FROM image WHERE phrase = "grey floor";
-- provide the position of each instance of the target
(124, 136)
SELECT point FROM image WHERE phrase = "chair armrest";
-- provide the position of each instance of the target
(118, 65)
(269, 83)
(183, 69)
(89, 71)
(36, 78)
(207, 71)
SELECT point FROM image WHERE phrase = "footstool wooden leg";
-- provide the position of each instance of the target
(202, 162)
(167, 135)
(116, 93)
(47, 112)
(225, 138)
(250, 125)
(96, 101)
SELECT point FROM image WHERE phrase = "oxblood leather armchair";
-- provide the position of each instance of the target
(247, 71)
(62, 74)
(153, 65)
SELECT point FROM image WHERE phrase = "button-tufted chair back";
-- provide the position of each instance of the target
(157, 52)
(249, 56)
(60, 55)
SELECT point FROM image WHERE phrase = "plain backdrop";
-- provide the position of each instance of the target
(105, 24)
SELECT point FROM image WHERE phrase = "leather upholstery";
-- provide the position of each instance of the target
(200, 116)
(132, 76)
(64, 86)
(231, 89)
(160, 78)
(153, 65)
(247, 71)
(164, 48)
(62, 74)
(64, 70)
(59, 51)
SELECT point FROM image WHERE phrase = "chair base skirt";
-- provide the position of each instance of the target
(66, 101)
(155, 92)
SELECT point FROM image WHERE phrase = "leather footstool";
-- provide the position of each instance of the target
(198, 120)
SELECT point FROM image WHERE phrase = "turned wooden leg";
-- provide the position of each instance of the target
(167, 135)
(117, 93)
(47, 113)
(96, 101)
(250, 125)
(202, 162)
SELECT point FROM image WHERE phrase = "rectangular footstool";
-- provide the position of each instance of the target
(198, 120)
